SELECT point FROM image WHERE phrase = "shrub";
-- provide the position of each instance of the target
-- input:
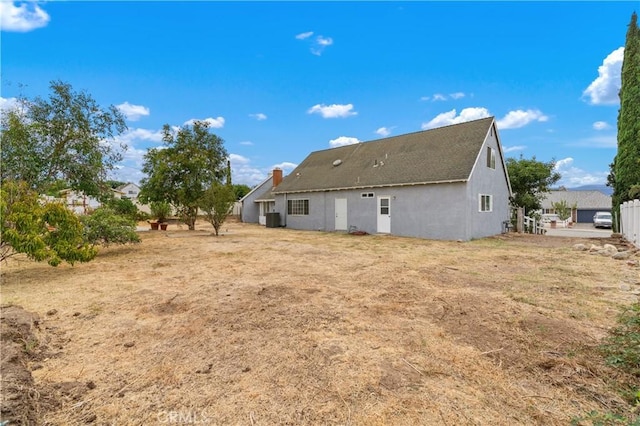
(160, 210)
(104, 227)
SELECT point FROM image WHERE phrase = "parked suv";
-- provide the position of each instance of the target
(602, 220)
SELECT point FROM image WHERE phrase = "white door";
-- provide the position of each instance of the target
(341, 214)
(384, 215)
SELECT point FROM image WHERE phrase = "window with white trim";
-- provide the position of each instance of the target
(486, 203)
(298, 207)
(491, 158)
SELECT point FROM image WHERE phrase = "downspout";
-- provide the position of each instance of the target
(285, 211)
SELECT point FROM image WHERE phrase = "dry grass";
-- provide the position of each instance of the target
(275, 326)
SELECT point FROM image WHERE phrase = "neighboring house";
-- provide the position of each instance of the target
(447, 183)
(129, 191)
(260, 201)
(586, 203)
(80, 203)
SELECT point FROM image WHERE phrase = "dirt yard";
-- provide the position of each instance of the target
(266, 326)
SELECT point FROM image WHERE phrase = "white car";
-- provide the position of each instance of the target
(602, 220)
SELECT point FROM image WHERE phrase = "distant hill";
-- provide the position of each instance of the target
(602, 188)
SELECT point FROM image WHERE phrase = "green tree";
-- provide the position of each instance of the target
(530, 180)
(67, 137)
(241, 190)
(562, 209)
(105, 226)
(42, 231)
(190, 161)
(625, 169)
(217, 203)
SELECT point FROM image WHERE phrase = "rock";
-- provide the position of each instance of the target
(129, 344)
(52, 312)
(622, 255)
(610, 247)
(634, 263)
(595, 248)
(580, 247)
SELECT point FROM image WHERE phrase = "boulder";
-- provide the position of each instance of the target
(622, 255)
(580, 247)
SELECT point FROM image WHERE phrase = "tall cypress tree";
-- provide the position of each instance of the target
(625, 170)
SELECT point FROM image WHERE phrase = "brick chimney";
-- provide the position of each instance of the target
(277, 177)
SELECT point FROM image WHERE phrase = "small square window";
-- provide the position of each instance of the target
(486, 204)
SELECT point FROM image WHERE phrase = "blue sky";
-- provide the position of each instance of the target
(278, 80)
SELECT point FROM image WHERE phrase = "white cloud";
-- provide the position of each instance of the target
(132, 135)
(332, 111)
(604, 89)
(133, 112)
(450, 117)
(383, 131)
(214, 123)
(285, 166)
(317, 44)
(573, 176)
(258, 116)
(324, 41)
(303, 36)
(26, 17)
(520, 118)
(243, 172)
(513, 119)
(8, 103)
(342, 141)
(440, 97)
(601, 125)
(514, 148)
(246, 143)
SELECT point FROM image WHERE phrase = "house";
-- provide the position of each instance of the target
(260, 200)
(583, 204)
(80, 203)
(129, 191)
(446, 183)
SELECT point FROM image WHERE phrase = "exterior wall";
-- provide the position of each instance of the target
(130, 191)
(424, 211)
(251, 209)
(487, 181)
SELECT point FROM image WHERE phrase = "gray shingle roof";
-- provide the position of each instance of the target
(443, 154)
(583, 199)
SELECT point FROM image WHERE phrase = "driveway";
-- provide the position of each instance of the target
(579, 230)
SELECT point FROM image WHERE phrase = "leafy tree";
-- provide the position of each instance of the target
(122, 207)
(190, 161)
(217, 202)
(160, 210)
(113, 184)
(562, 209)
(241, 190)
(530, 180)
(42, 231)
(105, 226)
(66, 137)
(625, 169)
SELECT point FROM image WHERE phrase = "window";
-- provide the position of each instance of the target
(298, 207)
(367, 195)
(491, 158)
(485, 203)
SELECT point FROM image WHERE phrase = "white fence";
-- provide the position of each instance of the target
(630, 221)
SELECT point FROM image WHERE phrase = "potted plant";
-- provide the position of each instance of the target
(160, 210)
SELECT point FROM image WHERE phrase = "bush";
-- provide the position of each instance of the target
(104, 227)
(160, 210)
(123, 207)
